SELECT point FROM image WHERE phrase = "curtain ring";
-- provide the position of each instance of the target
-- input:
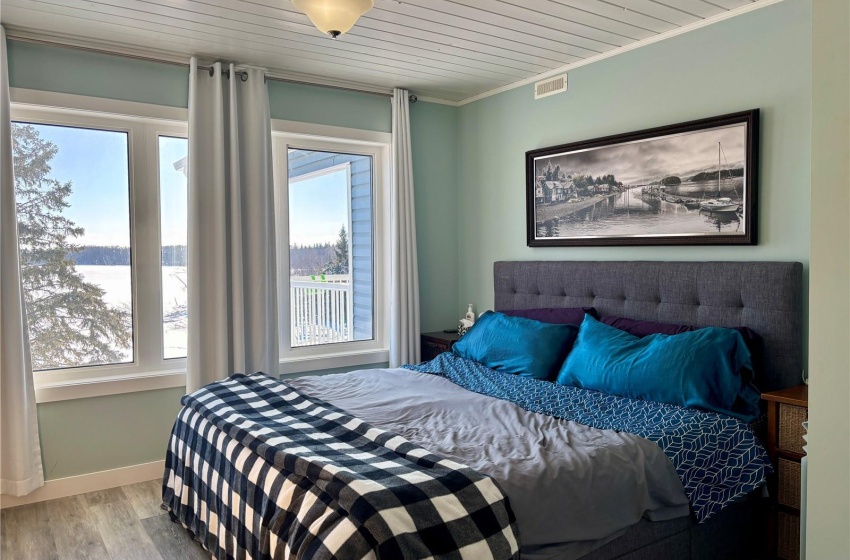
(212, 71)
(243, 76)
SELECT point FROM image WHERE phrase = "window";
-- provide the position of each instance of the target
(72, 188)
(101, 206)
(174, 238)
(330, 216)
(330, 247)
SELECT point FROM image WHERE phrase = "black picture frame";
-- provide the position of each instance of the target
(553, 220)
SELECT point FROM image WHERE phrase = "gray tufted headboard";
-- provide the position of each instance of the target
(765, 296)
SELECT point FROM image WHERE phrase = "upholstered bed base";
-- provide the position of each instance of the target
(765, 296)
(738, 533)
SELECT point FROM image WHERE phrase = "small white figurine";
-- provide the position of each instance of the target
(466, 322)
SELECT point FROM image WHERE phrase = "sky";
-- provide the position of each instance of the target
(172, 191)
(682, 155)
(96, 163)
(318, 207)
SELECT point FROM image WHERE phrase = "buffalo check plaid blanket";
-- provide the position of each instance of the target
(257, 469)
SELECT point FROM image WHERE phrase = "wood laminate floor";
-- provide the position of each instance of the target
(123, 523)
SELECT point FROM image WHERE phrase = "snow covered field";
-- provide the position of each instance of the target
(116, 282)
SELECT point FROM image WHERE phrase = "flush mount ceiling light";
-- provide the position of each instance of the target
(333, 17)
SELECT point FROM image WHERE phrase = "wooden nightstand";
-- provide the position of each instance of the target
(435, 343)
(787, 409)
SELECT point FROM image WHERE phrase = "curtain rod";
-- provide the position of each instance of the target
(242, 75)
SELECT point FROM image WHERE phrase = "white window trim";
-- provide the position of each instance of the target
(288, 134)
(331, 133)
(148, 370)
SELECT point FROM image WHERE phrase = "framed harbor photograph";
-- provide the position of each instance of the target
(692, 183)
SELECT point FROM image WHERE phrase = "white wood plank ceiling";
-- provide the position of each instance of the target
(445, 49)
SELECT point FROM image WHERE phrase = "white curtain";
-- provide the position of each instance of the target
(231, 274)
(404, 324)
(20, 459)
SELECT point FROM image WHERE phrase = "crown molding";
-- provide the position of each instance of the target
(64, 40)
(755, 5)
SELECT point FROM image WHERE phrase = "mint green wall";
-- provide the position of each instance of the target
(100, 433)
(434, 136)
(43, 67)
(47, 68)
(760, 59)
(321, 105)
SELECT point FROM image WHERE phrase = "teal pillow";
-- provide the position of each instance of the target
(707, 368)
(517, 345)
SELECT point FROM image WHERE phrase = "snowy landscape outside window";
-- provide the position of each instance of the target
(72, 191)
(173, 223)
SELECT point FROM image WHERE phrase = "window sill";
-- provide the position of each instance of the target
(102, 386)
(308, 364)
(83, 388)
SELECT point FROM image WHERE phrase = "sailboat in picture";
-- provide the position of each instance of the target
(719, 204)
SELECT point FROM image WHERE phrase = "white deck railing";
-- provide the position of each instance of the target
(321, 310)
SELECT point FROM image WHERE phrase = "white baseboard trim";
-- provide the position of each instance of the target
(92, 482)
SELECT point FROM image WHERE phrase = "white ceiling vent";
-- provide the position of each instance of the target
(551, 86)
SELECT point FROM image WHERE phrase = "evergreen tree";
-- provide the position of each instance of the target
(69, 322)
(339, 264)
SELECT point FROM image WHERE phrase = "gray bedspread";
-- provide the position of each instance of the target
(572, 488)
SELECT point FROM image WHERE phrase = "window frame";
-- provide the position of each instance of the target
(286, 135)
(149, 369)
(146, 122)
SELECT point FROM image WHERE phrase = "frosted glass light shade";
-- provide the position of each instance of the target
(333, 17)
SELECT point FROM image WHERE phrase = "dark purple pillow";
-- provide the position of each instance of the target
(754, 342)
(555, 315)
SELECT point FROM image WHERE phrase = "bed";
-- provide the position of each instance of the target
(520, 483)
(765, 296)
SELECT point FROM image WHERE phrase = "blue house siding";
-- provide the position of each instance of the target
(302, 162)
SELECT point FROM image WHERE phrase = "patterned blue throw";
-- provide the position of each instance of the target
(717, 457)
